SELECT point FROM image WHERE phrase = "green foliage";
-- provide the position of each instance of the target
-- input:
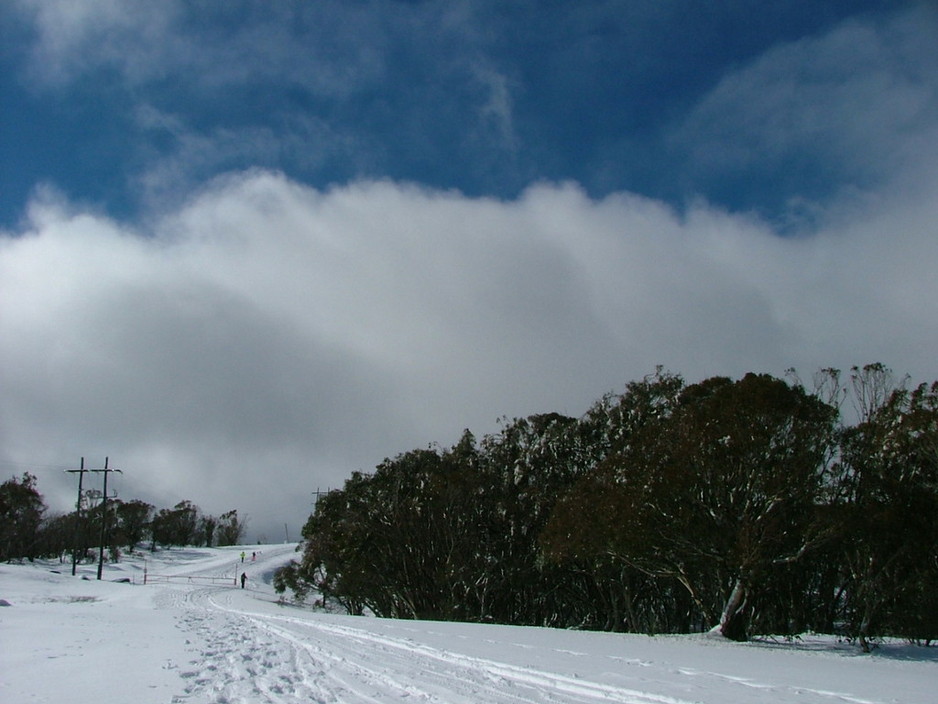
(290, 577)
(175, 526)
(230, 529)
(722, 489)
(445, 534)
(56, 536)
(21, 509)
(744, 505)
(885, 516)
(25, 533)
(133, 521)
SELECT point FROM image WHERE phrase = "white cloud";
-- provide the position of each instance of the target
(855, 106)
(269, 338)
(263, 338)
(327, 48)
(76, 36)
(191, 156)
(497, 112)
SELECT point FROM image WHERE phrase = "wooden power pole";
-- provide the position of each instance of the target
(104, 520)
(76, 536)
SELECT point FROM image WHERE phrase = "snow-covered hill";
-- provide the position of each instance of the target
(190, 634)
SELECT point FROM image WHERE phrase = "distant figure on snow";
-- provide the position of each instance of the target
(243, 579)
(253, 556)
(242, 556)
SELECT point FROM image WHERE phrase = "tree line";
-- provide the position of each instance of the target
(27, 533)
(746, 506)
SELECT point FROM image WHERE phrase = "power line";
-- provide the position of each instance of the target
(33, 466)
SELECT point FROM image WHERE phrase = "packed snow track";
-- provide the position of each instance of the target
(254, 656)
(191, 635)
(248, 648)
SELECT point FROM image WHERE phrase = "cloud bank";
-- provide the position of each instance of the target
(250, 334)
(269, 338)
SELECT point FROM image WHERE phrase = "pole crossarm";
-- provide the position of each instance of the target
(81, 475)
(105, 470)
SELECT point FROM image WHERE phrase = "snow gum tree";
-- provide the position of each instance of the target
(715, 494)
(593, 520)
(446, 534)
(395, 542)
(739, 506)
(176, 526)
(133, 521)
(752, 470)
(886, 515)
(21, 509)
(230, 528)
(527, 466)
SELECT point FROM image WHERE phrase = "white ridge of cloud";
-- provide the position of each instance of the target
(268, 338)
(263, 338)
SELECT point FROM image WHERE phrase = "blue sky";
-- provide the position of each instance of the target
(118, 106)
(252, 240)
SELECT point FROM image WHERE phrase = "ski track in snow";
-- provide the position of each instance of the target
(191, 636)
(246, 655)
(260, 657)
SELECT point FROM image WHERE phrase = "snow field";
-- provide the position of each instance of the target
(195, 641)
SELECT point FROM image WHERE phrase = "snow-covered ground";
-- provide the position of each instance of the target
(199, 638)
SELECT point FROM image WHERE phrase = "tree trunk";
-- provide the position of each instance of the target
(865, 628)
(734, 623)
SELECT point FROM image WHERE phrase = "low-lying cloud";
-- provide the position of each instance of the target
(269, 338)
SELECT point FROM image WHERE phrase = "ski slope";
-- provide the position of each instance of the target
(191, 635)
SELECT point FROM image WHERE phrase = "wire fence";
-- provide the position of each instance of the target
(224, 579)
(188, 579)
